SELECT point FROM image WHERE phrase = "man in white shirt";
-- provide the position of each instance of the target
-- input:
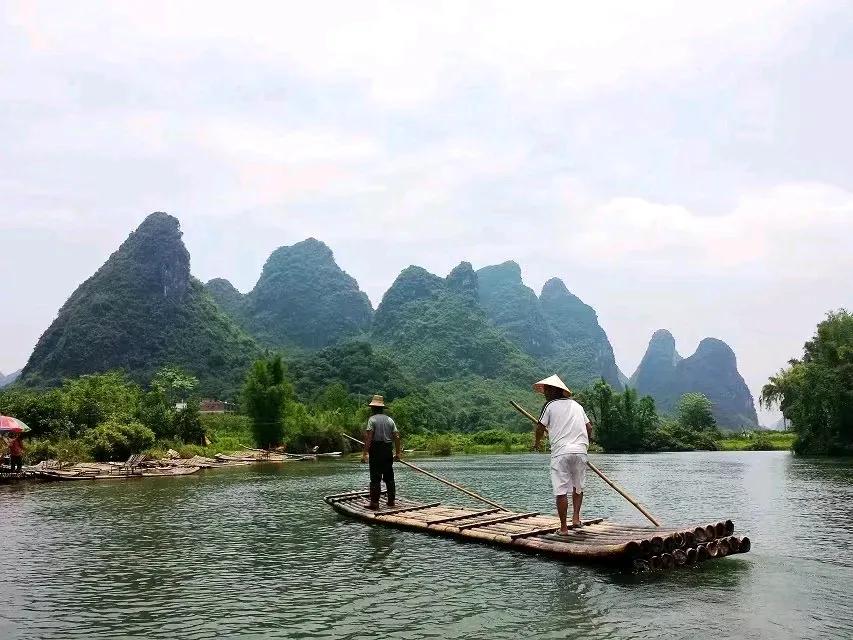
(569, 431)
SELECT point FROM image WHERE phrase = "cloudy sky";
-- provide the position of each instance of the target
(678, 166)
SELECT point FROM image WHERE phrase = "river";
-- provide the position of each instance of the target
(253, 552)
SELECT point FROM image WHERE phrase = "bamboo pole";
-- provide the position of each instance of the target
(595, 469)
(443, 480)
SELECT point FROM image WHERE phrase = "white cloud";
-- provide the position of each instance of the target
(405, 54)
(651, 154)
(783, 230)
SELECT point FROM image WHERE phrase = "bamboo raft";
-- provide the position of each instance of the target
(639, 548)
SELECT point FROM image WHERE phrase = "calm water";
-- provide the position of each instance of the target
(255, 553)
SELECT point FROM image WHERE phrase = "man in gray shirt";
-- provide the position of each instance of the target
(382, 445)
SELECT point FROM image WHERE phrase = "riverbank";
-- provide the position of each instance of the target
(227, 433)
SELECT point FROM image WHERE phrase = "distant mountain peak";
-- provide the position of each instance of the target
(310, 247)
(715, 347)
(141, 310)
(463, 279)
(302, 299)
(711, 370)
(554, 287)
(7, 379)
(509, 271)
(663, 335)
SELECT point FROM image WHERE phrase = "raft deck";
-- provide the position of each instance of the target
(638, 547)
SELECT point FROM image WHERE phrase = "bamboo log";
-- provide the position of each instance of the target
(723, 548)
(713, 549)
(720, 530)
(680, 557)
(640, 566)
(657, 545)
(667, 561)
(633, 549)
(409, 508)
(442, 480)
(702, 552)
(691, 556)
(596, 470)
(473, 514)
(486, 523)
(744, 545)
(710, 532)
(734, 544)
(655, 563)
(689, 539)
(730, 527)
(700, 535)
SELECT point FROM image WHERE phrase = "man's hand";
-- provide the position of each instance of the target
(396, 457)
(364, 457)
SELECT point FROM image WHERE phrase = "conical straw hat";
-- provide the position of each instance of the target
(553, 381)
(378, 401)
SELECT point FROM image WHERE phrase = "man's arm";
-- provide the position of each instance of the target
(589, 431)
(368, 438)
(397, 445)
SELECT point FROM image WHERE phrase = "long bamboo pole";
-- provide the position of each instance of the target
(616, 487)
(443, 480)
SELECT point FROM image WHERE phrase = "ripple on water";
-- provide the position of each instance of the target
(255, 553)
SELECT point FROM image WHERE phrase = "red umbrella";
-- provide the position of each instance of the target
(12, 425)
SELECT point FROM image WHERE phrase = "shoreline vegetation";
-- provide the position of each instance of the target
(237, 432)
(108, 416)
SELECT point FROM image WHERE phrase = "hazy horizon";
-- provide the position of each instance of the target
(678, 166)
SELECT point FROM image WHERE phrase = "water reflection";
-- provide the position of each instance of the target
(380, 545)
(254, 552)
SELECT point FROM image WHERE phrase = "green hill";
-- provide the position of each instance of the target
(583, 353)
(557, 329)
(436, 329)
(140, 311)
(514, 308)
(302, 300)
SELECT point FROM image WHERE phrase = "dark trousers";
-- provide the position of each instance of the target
(16, 462)
(381, 468)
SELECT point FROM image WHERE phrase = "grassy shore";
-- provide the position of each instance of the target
(759, 441)
(229, 433)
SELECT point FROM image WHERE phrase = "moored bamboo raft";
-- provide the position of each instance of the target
(636, 547)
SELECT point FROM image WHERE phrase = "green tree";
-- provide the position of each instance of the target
(92, 399)
(114, 440)
(187, 423)
(174, 384)
(695, 413)
(266, 396)
(816, 392)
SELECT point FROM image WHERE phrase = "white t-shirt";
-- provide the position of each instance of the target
(566, 421)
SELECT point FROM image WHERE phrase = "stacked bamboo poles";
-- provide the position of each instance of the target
(633, 547)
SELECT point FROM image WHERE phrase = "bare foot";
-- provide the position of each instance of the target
(374, 506)
(577, 523)
(563, 532)
(391, 503)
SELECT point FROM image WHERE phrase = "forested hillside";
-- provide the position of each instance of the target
(140, 311)
(556, 328)
(435, 328)
(302, 300)
(467, 341)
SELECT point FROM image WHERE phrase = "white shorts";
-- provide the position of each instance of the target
(568, 472)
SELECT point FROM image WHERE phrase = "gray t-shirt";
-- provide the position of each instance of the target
(383, 428)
